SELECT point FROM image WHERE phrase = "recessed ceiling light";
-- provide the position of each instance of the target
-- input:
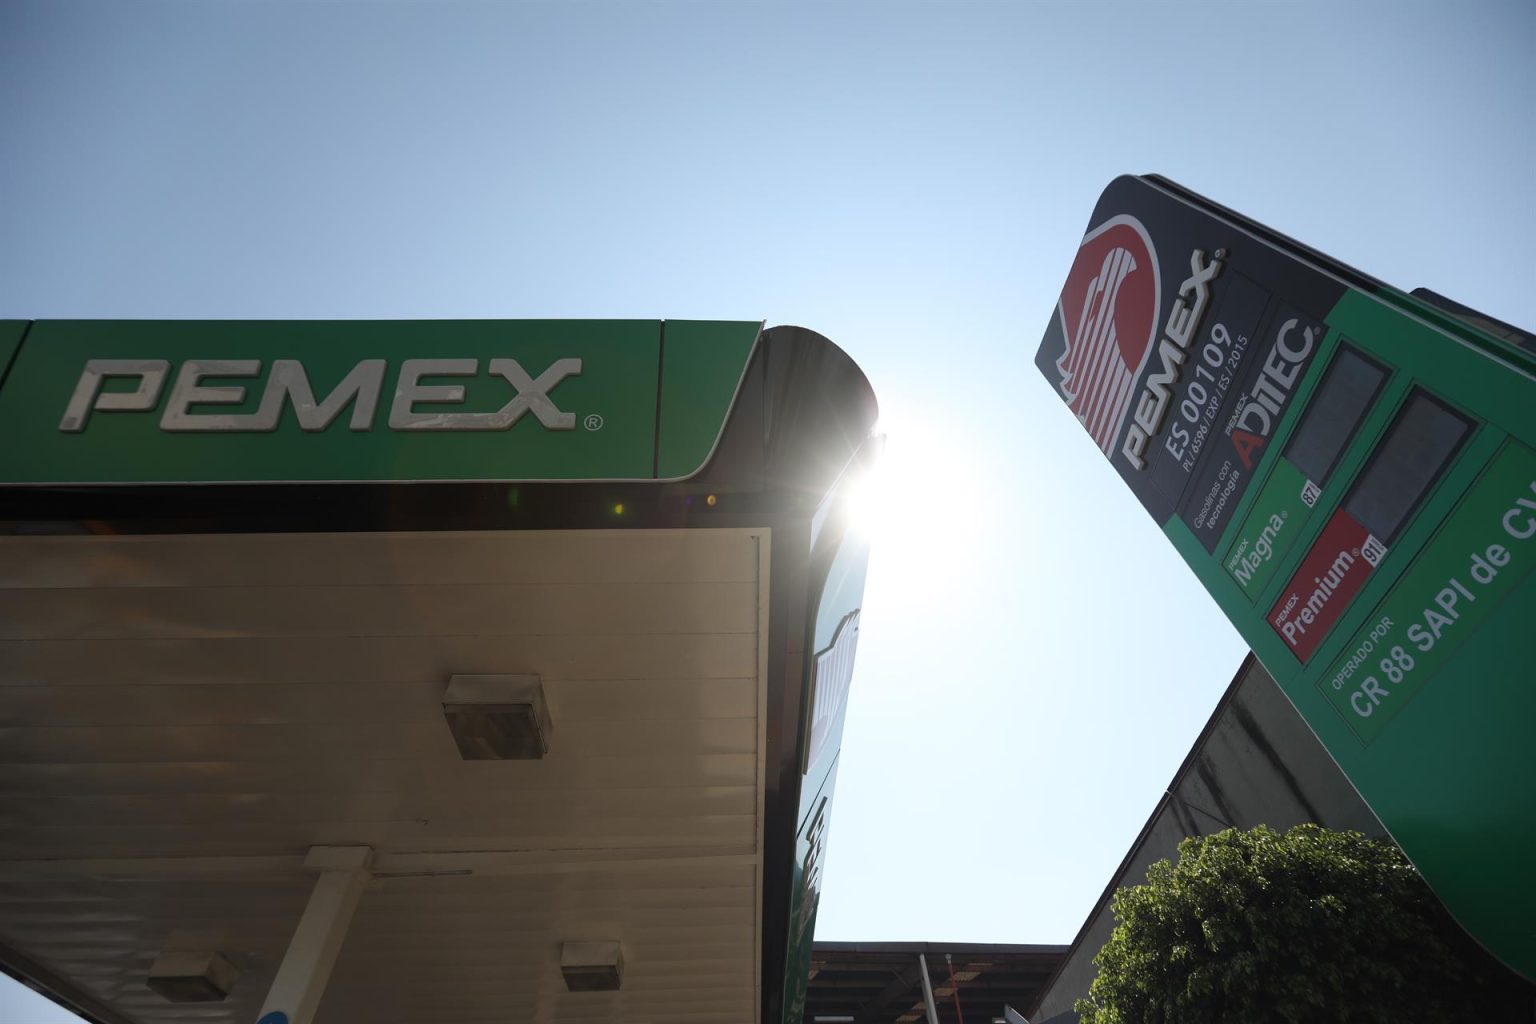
(497, 717)
(592, 966)
(199, 977)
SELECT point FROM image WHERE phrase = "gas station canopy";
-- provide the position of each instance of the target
(541, 746)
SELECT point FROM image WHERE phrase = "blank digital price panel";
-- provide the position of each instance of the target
(1420, 443)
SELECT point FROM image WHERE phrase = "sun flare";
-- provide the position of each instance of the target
(920, 504)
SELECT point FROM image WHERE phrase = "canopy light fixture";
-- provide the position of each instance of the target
(497, 718)
(199, 977)
(592, 966)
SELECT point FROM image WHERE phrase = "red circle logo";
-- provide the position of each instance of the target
(1108, 310)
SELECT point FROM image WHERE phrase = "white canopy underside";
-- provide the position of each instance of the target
(182, 717)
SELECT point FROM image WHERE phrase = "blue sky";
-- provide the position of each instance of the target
(910, 180)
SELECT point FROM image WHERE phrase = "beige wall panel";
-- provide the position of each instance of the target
(562, 609)
(215, 811)
(405, 776)
(247, 660)
(734, 831)
(277, 703)
(182, 717)
(424, 740)
(463, 558)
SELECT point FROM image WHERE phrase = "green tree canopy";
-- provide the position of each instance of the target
(1313, 925)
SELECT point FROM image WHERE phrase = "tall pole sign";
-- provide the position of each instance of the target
(1351, 473)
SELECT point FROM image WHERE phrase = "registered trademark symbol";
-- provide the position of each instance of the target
(593, 422)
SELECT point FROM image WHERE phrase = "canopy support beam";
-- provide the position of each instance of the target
(300, 982)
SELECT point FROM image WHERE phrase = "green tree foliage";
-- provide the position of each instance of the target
(1313, 925)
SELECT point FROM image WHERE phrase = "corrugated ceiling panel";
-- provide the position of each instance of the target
(182, 717)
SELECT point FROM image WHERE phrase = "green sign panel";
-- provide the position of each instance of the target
(805, 899)
(11, 333)
(1352, 475)
(1484, 550)
(105, 402)
(1266, 535)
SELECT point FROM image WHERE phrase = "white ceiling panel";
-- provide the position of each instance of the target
(182, 717)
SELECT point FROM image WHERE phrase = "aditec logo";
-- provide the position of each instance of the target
(1108, 311)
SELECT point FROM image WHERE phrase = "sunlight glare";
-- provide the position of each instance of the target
(922, 506)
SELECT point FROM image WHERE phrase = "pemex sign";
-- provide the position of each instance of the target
(1351, 472)
(148, 402)
(288, 384)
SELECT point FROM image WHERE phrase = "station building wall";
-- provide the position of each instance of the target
(1255, 763)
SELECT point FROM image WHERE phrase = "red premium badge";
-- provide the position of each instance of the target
(1327, 580)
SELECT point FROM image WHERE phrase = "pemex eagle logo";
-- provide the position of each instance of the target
(1108, 310)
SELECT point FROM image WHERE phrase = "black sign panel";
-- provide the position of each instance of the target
(1175, 360)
